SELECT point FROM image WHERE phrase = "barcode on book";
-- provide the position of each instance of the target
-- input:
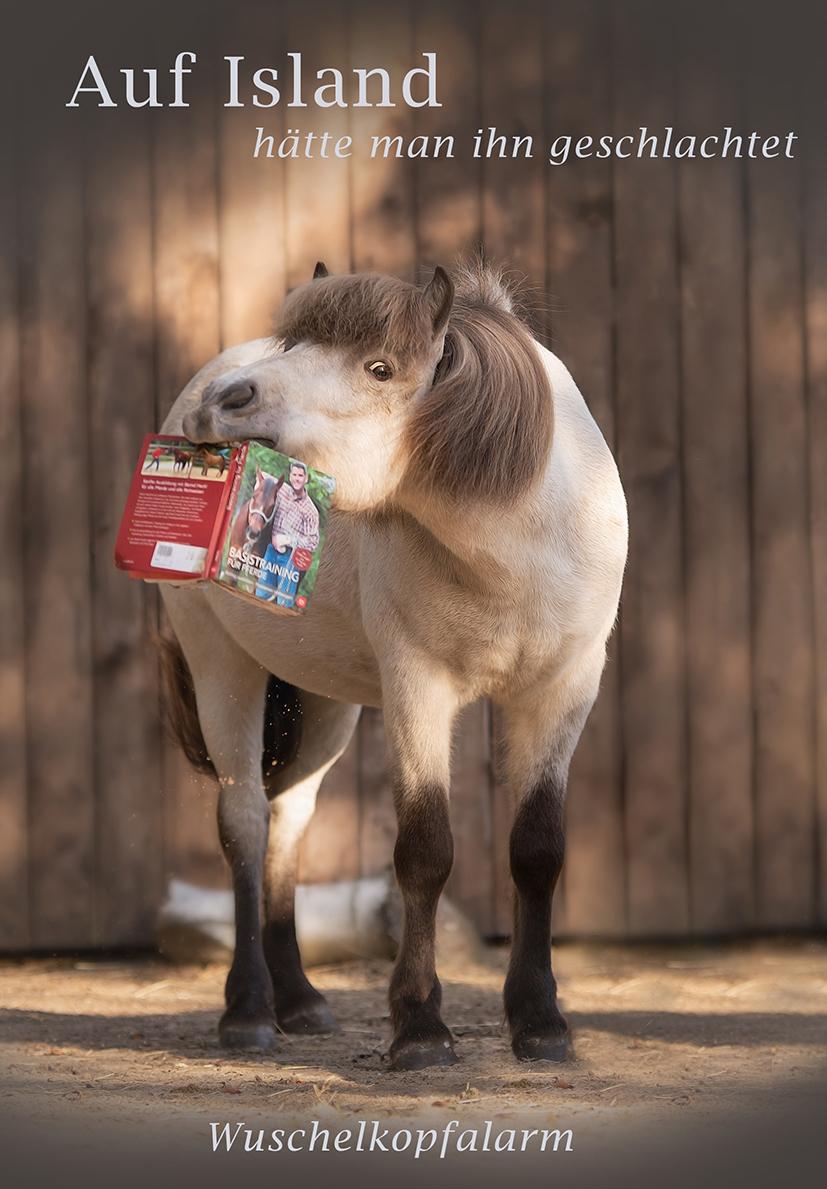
(187, 559)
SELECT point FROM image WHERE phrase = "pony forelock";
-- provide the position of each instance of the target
(365, 311)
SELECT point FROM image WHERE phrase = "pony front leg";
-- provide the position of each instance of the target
(418, 715)
(541, 734)
(230, 689)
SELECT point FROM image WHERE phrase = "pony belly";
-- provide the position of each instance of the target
(319, 653)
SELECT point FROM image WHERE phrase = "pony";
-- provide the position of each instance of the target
(182, 459)
(476, 549)
(253, 521)
(206, 459)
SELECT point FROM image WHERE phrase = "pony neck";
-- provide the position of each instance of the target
(487, 539)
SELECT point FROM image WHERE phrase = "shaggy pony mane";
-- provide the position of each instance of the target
(485, 426)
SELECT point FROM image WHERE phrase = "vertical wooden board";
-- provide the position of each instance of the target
(186, 244)
(192, 851)
(186, 298)
(185, 207)
(513, 188)
(14, 842)
(715, 430)
(449, 190)
(251, 190)
(56, 573)
(782, 589)
(121, 411)
(579, 204)
(382, 193)
(648, 431)
(317, 191)
(815, 265)
(579, 230)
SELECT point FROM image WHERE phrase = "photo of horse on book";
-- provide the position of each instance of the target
(163, 457)
(272, 551)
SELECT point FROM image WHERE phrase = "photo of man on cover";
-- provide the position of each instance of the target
(295, 526)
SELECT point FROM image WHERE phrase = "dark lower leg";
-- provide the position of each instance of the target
(299, 1006)
(248, 1021)
(538, 1029)
(423, 856)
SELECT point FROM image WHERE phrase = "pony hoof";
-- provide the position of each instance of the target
(539, 1046)
(421, 1054)
(250, 1036)
(311, 1019)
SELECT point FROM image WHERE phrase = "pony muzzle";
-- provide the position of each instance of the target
(220, 402)
(229, 398)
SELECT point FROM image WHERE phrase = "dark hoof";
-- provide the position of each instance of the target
(542, 1046)
(420, 1054)
(250, 1036)
(310, 1019)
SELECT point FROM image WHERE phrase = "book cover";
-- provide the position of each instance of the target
(243, 515)
(176, 500)
(276, 527)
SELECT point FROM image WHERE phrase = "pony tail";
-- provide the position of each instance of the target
(179, 712)
(281, 728)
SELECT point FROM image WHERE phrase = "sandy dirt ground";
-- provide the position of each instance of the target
(713, 1035)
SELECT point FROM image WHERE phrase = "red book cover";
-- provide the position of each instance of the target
(175, 509)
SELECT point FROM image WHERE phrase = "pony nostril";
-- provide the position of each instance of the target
(237, 396)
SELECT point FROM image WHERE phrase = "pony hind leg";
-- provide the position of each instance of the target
(419, 716)
(230, 690)
(326, 729)
(541, 735)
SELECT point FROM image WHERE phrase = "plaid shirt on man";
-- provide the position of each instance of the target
(297, 517)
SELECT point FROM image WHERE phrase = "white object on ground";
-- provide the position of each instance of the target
(334, 922)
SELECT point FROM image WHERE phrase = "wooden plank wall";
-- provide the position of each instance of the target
(690, 302)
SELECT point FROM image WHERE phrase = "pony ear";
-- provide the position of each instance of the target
(439, 294)
(320, 270)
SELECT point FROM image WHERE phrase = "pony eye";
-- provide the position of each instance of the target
(380, 370)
